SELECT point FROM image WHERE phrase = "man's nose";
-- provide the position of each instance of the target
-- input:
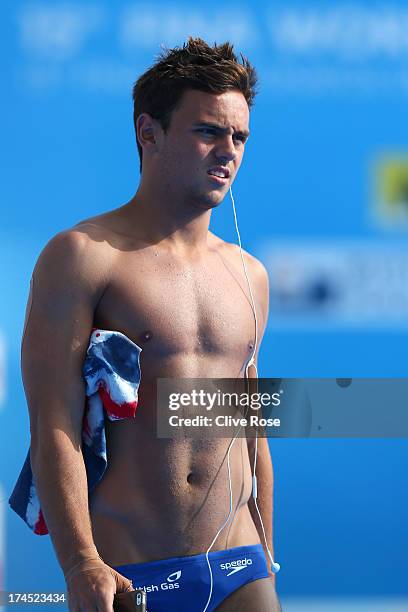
(226, 150)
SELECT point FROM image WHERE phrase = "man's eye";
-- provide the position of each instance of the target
(207, 131)
(212, 132)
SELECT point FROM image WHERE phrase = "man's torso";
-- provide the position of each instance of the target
(192, 317)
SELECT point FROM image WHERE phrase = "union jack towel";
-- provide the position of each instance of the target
(111, 371)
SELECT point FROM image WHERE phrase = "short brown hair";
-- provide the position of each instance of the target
(194, 66)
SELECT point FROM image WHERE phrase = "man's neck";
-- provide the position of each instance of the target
(183, 229)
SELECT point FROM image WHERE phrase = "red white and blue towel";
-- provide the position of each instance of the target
(112, 374)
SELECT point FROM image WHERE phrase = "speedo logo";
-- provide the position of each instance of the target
(236, 566)
(170, 584)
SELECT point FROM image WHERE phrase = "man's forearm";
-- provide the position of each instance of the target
(264, 474)
(60, 478)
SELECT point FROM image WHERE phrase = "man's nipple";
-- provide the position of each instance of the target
(190, 477)
(147, 335)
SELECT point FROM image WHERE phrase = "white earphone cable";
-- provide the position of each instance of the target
(275, 566)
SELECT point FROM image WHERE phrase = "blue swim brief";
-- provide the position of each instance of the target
(182, 584)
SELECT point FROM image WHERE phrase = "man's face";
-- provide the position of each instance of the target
(206, 136)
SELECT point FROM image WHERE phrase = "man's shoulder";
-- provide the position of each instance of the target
(98, 228)
(82, 253)
(253, 264)
(85, 238)
(79, 241)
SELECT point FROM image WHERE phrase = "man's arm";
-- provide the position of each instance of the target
(67, 283)
(264, 475)
(264, 469)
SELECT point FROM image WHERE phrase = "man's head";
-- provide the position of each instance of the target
(195, 83)
(194, 66)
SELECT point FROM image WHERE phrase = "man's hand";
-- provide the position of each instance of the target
(92, 584)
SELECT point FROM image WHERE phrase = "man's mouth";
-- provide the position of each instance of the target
(219, 173)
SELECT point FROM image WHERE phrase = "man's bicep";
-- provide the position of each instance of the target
(58, 323)
(262, 309)
(263, 289)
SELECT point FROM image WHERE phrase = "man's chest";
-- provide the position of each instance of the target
(174, 306)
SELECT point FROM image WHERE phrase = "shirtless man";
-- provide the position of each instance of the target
(152, 270)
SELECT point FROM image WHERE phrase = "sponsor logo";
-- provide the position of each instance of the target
(170, 584)
(236, 566)
(174, 576)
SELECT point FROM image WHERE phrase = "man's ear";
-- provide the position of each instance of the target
(147, 131)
